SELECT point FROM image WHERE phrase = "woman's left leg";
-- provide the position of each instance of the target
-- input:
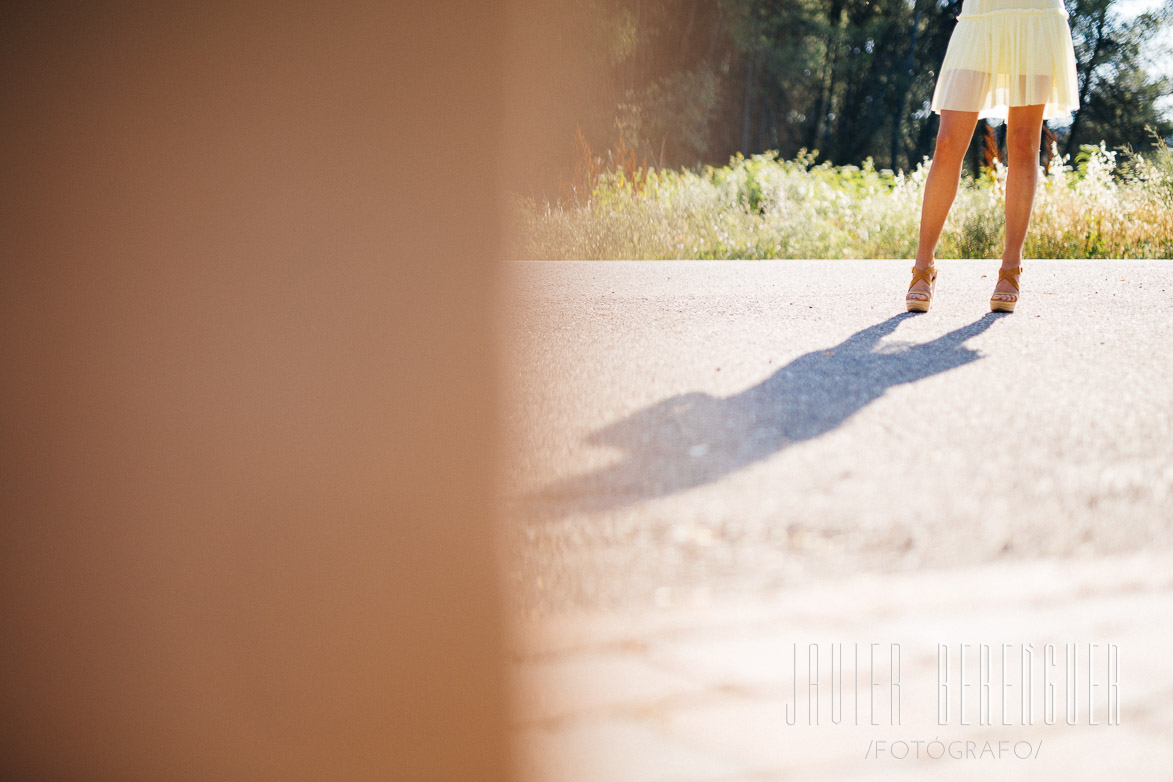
(1024, 127)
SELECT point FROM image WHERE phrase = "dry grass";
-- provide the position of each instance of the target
(764, 207)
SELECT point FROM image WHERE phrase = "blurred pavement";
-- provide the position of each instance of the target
(712, 462)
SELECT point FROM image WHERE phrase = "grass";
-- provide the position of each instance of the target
(766, 207)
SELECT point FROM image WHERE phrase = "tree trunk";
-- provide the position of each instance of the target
(688, 31)
(1089, 76)
(747, 106)
(903, 85)
(826, 94)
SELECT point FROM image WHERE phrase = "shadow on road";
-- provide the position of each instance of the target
(692, 439)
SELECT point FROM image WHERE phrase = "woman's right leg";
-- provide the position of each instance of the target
(953, 137)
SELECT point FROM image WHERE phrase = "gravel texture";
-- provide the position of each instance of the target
(682, 431)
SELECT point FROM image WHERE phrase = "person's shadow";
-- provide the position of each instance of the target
(692, 439)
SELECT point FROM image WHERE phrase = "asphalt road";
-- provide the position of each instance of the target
(682, 431)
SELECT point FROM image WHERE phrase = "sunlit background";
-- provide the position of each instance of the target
(764, 129)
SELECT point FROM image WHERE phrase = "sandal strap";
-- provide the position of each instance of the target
(1010, 275)
(928, 275)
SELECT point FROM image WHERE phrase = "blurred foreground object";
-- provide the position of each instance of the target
(247, 421)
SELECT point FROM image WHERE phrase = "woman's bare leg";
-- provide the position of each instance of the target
(1024, 128)
(953, 137)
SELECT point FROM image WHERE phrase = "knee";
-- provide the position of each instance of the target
(1023, 146)
(951, 147)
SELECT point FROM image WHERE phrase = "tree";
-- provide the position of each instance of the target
(685, 82)
(1118, 96)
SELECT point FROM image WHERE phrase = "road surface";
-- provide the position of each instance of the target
(683, 430)
(711, 467)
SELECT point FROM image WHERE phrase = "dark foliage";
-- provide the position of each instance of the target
(685, 82)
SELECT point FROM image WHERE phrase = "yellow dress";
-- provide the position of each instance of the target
(1006, 53)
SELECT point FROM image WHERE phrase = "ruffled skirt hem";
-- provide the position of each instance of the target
(1009, 57)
